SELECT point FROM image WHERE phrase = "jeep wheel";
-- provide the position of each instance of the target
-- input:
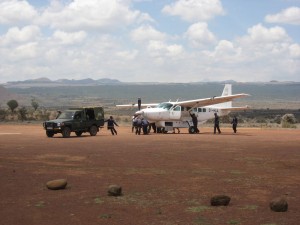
(192, 130)
(78, 133)
(66, 132)
(93, 130)
(49, 133)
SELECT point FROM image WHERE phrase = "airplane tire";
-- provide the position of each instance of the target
(191, 130)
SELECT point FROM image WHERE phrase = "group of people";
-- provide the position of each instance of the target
(234, 123)
(141, 124)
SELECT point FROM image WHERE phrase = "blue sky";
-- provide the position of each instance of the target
(150, 40)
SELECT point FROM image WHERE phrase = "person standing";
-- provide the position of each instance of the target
(110, 125)
(138, 125)
(234, 123)
(145, 125)
(217, 124)
(134, 120)
(195, 122)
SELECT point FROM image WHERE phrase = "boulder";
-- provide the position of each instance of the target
(219, 200)
(114, 190)
(279, 204)
(57, 184)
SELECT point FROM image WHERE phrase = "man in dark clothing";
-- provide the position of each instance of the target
(110, 125)
(195, 122)
(138, 126)
(217, 123)
(234, 123)
(145, 125)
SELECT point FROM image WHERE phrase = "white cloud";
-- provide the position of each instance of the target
(264, 53)
(194, 10)
(92, 14)
(261, 34)
(69, 38)
(24, 52)
(14, 11)
(146, 33)
(163, 52)
(16, 35)
(199, 35)
(295, 50)
(288, 16)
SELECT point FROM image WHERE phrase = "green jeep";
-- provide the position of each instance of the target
(78, 120)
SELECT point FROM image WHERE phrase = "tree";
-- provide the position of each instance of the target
(12, 104)
(34, 104)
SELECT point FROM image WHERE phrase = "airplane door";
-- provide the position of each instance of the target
(175, 113)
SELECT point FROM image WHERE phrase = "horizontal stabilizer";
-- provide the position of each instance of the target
(236, 108)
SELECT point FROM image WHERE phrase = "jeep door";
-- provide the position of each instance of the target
(78, 122)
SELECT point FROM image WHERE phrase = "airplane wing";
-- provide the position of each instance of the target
(136, 105)
(209, 101)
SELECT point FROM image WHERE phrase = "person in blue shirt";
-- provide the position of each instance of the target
(110, 125)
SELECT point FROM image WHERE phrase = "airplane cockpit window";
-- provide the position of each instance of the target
(177, 108)
(165, 105)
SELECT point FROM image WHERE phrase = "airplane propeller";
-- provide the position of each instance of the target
(139, 103)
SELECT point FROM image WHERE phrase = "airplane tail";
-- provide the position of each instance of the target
(226, 92)
(226, 107)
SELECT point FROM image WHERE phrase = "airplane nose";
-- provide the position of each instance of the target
(141, 112)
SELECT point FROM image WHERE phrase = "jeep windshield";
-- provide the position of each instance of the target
(66, 115)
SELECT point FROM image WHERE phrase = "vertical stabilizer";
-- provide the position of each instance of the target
(227, 90)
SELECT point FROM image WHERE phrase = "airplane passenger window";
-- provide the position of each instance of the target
(199, 110)
(204, 109)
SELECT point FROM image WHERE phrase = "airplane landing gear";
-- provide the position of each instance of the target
(192, 130)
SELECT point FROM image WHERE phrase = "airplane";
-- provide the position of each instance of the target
(170, 115)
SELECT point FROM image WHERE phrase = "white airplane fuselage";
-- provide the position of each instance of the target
(175, 116)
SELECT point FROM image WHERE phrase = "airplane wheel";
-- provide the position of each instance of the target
(191, 130)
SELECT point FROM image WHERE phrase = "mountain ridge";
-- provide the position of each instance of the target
(46, 82)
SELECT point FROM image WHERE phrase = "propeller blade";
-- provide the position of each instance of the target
(139, 103)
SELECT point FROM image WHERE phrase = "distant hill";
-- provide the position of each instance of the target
(6, 95)
(45, 82)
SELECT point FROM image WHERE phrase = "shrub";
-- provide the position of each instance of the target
(23, 113)
(288, 121)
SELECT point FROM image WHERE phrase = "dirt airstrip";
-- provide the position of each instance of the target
(167, 179)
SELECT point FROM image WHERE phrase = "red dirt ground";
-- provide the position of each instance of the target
(167, 179)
